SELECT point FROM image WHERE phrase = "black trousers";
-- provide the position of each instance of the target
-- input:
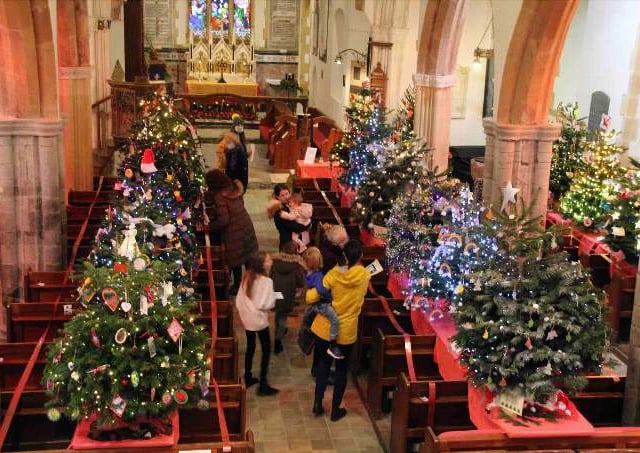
(265, 345)
(237, 278)
(322, 372)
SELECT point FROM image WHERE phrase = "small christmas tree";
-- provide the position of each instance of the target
(568, 149)
(135, 350)
(404, 119)
(624, 228)
(533, 323)
(365, 128)
(397, 165)
(587, 200)
(463, 247)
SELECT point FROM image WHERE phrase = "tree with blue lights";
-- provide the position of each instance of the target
(135, 350)
(366, 129)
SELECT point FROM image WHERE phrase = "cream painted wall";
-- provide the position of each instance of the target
(469, 131)
(599, 55)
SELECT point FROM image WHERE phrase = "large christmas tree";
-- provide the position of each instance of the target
(365, 130)
(135, 350)
(533, 322)
(396, 166)
(568, 149)
(595, 181)
(624, 227)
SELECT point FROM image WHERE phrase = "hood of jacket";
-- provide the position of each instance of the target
(284, 263)
(349, 277)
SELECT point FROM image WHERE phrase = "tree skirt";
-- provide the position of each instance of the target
(82, 441)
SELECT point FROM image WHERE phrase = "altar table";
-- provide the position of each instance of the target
(317, 170)
(211, 87)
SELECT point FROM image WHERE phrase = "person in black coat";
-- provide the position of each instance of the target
(277, 204)
(237, 160)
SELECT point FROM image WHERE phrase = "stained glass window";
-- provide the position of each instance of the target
(197, 15)
(242, 18)
(220, 17)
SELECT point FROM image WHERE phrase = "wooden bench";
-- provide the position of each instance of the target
(601, 400)
(441, 405)
(86, 197)
(388, 359)
(373, 317)
(620, 294)
(308, 184)
(29, 319)
(78, 214)
(30, 428)
(487, 441)
(47, 286)
(598, 266)
(220, 281)
(197, 425)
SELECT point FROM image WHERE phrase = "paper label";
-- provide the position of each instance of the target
(310, 155)
(278, 295)
(374, 268)
(512, 402)
(67, 309)
(152, 347)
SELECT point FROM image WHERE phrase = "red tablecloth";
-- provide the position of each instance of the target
(347, 196)
(369, 240)
(395, 283)
(554, 217)
(592, 243)
(316, 170)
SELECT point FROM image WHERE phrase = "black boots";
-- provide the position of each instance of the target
(277, 347)
(249, 380)
(337, 414)
(266, 390)
(317, 408)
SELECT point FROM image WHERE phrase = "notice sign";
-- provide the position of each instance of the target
(283, 25)
(310, 155)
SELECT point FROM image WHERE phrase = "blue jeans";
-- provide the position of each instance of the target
(325, 309)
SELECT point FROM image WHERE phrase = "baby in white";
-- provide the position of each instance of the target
(301, 213)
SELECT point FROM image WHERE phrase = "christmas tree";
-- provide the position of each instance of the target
(587, 200)
(397, 165)
(135, 350)
(404, 119)
(365, 129)
(568, 149)
(624, 228)
(462, 247)
(533, 322)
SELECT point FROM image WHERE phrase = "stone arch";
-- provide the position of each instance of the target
(532, 61)
(28, 73)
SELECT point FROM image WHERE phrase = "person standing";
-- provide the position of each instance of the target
(287, 274)
(236, 159)
(348, 288)
(279, 203)
(254, 301)
(225, 208)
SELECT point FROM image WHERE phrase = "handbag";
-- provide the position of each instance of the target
(306, 339)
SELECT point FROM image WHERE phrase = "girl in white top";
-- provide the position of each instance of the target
(254, 301)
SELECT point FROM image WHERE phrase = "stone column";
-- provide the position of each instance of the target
(75, 108)
(32, 202)
(520, 154)
(433, 114)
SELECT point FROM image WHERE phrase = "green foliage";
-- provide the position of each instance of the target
(624, 228)
(587, 202)
(534, 322)
(404, 118)
(137, 283)
(568, 149)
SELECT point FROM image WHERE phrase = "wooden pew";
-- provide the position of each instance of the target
(289, 149)
(220, 281)
(598, 266)
(47, 286)
(441, 405)
(78, 214)
(388, 360)
(202, 426)
(107, 183)
(373, 317)
(30, 428)
(602, 439)
(85, 197)
(308, 183)
(29, 319)
(335, 136)
(620, 294)
(601, 400)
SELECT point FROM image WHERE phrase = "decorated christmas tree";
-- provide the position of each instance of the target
(594, 182)
(568, 149)
(134, 351)
(463, 247)
(365, 130)
(624, 228)
(533, 322)
(396, 166)
(404, 118)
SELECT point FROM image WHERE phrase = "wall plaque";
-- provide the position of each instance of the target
(158, 23)
(283, 24)
(599, 105)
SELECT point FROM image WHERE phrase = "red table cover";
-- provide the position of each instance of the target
(81, 440)
(316, 170)
(369, 240)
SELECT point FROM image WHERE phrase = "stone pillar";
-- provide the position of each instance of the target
(433, 115)
(32, 202)
(520, 154)
(75, 108)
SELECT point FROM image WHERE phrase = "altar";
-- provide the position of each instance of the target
(239, 88)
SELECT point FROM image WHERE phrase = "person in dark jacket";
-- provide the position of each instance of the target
(236, 159)
(228, 215)
(237, 126)
(287, 273)
(277, 204)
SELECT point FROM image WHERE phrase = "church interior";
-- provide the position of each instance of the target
(426, 211)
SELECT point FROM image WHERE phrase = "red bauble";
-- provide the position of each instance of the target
(124, 382)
